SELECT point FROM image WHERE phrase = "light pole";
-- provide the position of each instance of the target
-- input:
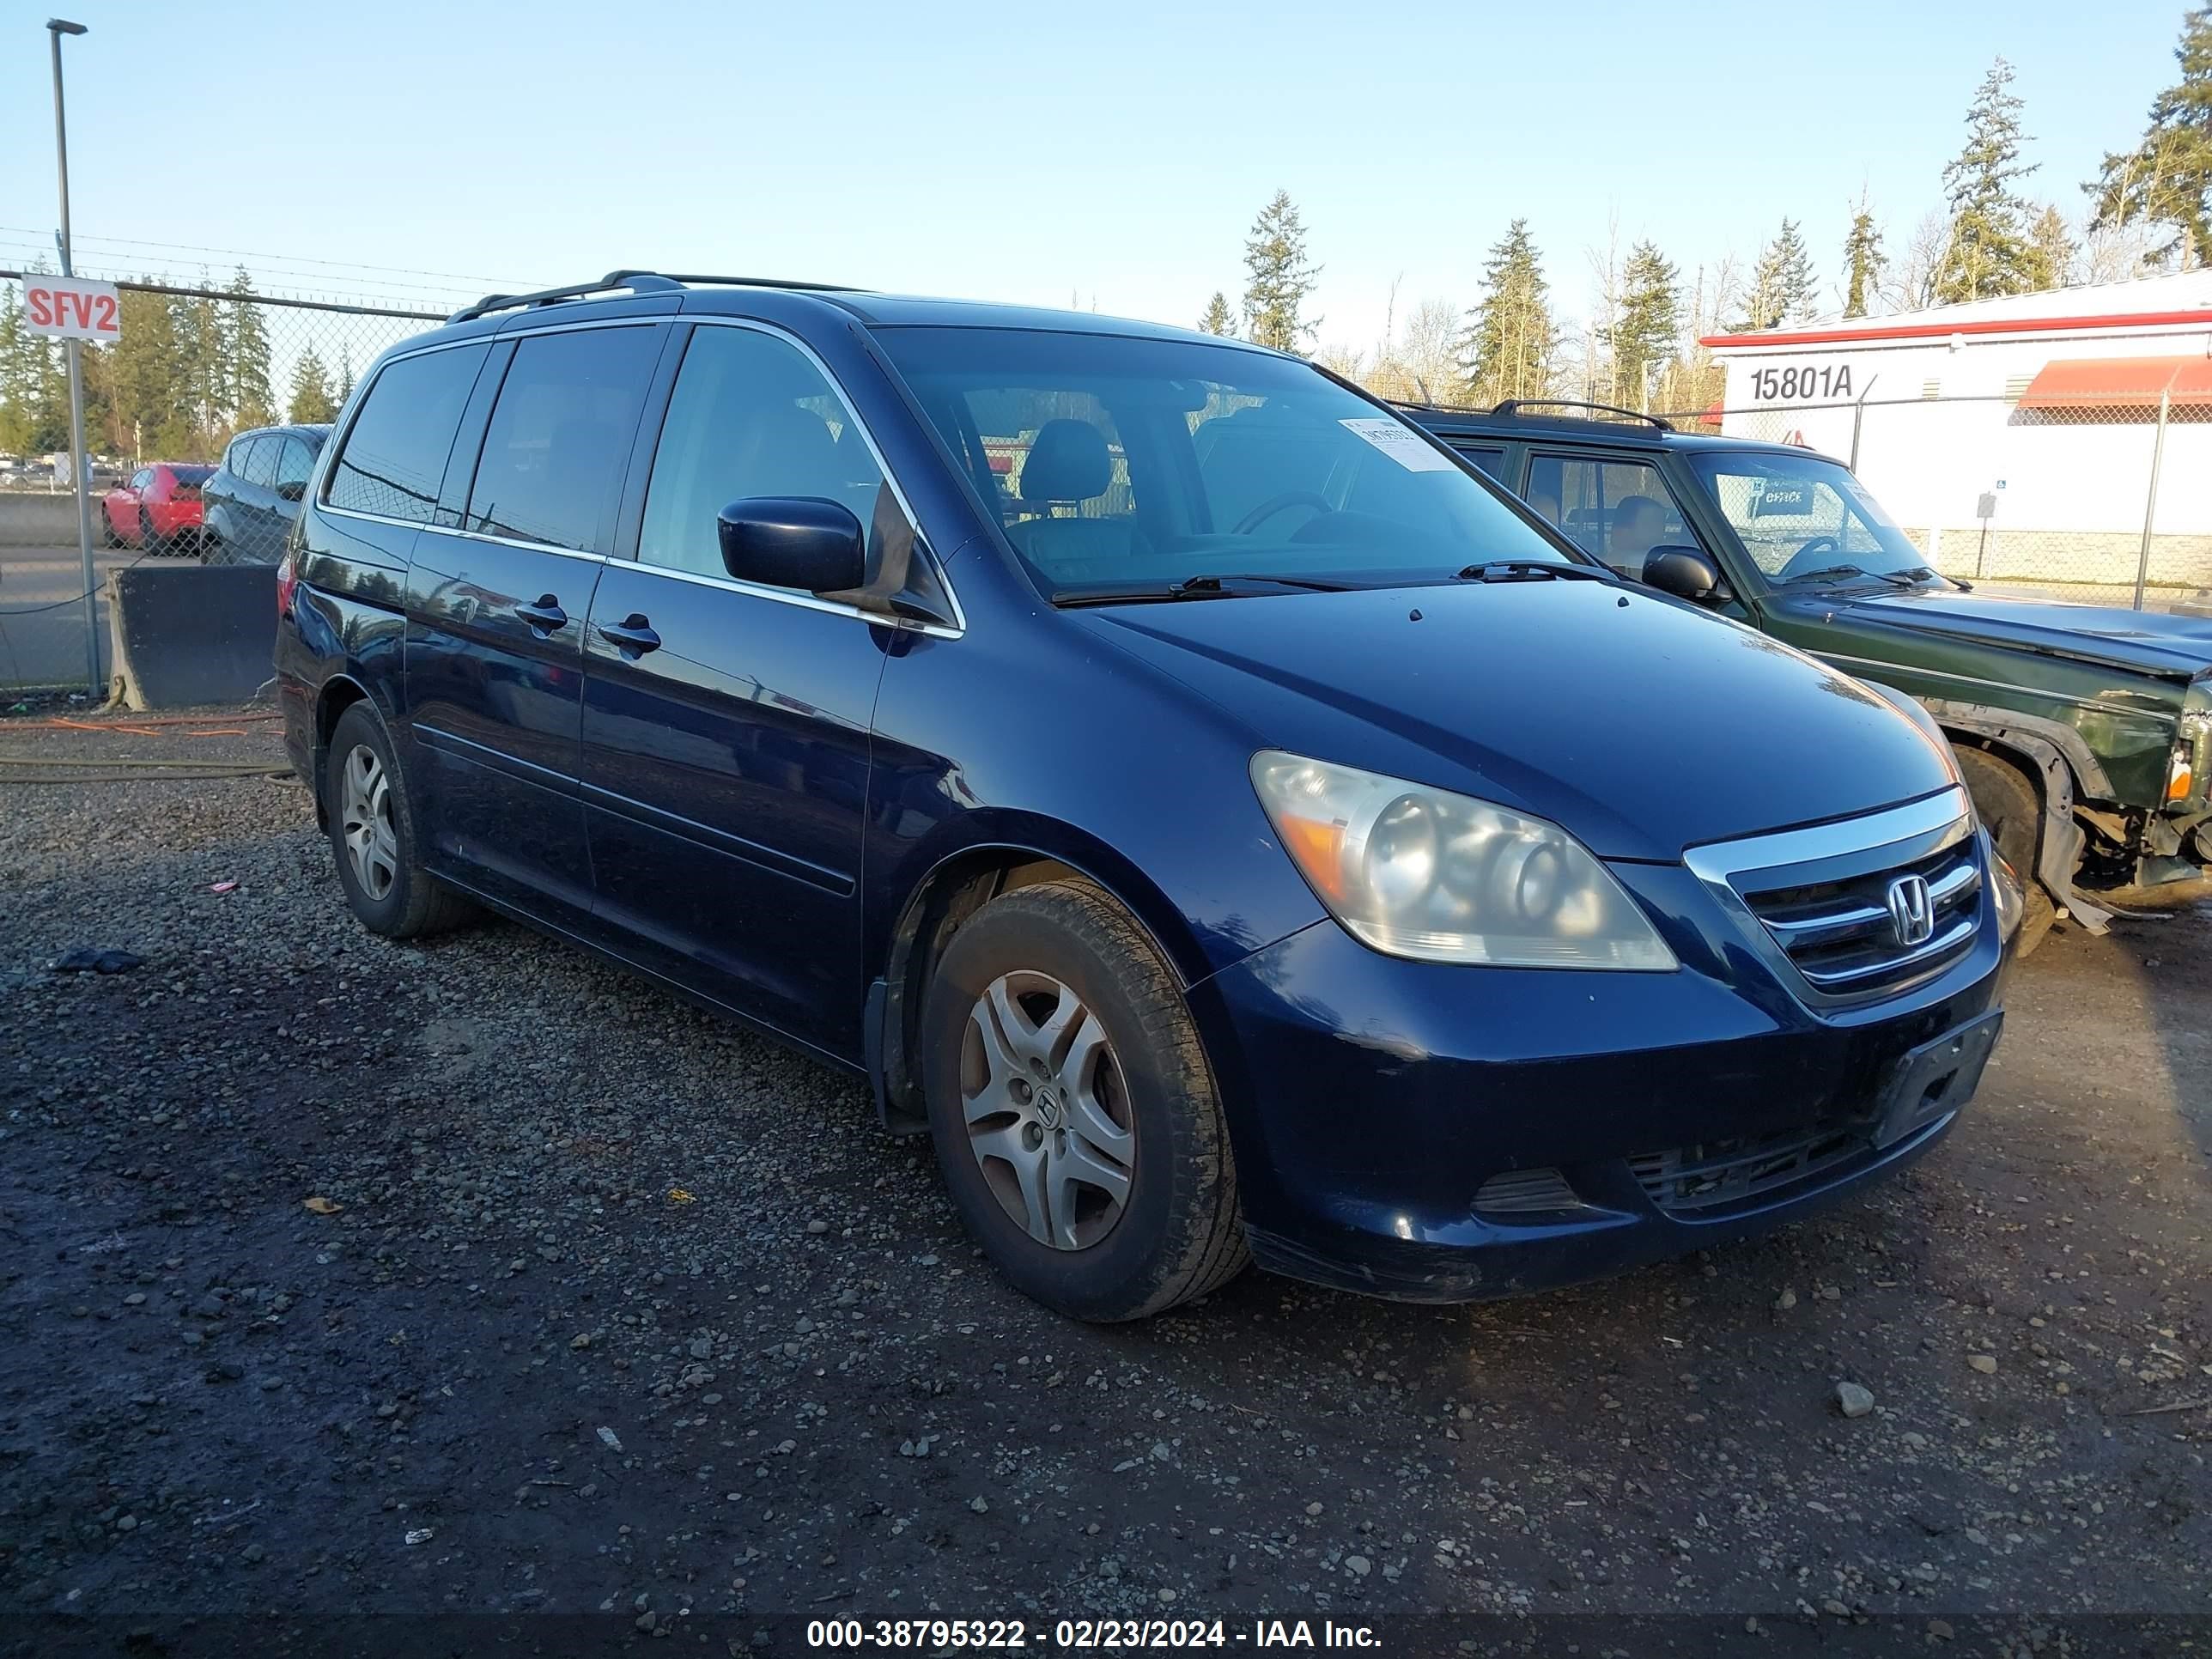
(80, 466)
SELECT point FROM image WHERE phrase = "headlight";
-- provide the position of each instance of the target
(1416, 872)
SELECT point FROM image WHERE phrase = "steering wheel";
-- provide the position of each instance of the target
(1275, 504)
(1821, 547)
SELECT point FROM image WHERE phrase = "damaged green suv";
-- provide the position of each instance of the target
(2085, 733)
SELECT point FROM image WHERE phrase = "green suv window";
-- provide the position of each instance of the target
(1795, 516)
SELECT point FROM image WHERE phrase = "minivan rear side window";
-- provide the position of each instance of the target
(559, 436)
(395, 452)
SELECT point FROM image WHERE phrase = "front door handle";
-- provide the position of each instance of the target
(633, 636)
(546, 616)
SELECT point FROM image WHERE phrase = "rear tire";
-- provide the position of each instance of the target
(1056, 1046)
(372, 831)
(2012, 811)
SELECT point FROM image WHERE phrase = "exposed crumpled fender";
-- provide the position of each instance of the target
(2065, 765)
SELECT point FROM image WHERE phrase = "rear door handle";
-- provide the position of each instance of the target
(546, 616)
(633, 636)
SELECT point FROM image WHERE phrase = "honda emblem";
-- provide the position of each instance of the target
(1911, 915)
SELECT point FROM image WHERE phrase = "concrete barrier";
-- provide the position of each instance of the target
(37, 520)
(186, 635)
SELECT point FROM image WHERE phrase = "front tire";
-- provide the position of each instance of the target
(1074, 1116)
(2012, 812)
(372, 831)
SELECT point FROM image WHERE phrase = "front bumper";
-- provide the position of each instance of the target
(1373, 1100)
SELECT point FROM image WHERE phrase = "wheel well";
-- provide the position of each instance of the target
(954, 891)
(339, 695)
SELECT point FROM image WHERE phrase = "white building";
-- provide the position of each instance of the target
(2013, 437)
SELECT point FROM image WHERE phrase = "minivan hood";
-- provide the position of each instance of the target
(2143, 641)
(1640, 724)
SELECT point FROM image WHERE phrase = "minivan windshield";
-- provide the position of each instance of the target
(1125, 465)
(1804, 519)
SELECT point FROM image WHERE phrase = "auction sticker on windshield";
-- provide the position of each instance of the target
(1401, 444)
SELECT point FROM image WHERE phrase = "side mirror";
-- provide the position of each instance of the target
(1687, 573)
(793, 541)
(292, 492)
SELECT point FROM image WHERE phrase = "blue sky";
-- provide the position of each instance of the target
(1110, 154)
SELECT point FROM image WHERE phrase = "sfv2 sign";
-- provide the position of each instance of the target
(70, 308)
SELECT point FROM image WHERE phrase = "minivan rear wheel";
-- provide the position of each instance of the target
(1073, 1113)
(372, 832)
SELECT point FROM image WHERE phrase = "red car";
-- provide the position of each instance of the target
(157, 508)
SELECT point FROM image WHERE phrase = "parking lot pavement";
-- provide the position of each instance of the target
(41, 623)
(604, 1305)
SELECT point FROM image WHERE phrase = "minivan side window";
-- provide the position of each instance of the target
(750, 416)
(259, 466)
(395, 452)
(560, 436)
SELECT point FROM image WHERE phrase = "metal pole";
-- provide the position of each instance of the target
(2150, 505)
(80, 462)
(1858, 417)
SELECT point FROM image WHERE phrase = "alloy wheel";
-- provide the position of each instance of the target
(1047, 1110)
(372, 845)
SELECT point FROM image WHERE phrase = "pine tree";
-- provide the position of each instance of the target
(1783, 286)
(312, 403)
(2166, 180)
(1988, 251)
(34, 385)
(345, 374)
(1219, 319)
(245, 356)
(1279, 281)
(2050, 252)
(1862, 262)
(1510, 337)
(1646, 321)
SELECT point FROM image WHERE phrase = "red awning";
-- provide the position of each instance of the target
(2119, 383)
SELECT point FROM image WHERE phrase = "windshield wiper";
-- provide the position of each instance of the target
(1533, 570)
(1195, 588)
(1911, 578)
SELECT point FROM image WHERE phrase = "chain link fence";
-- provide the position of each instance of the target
(2102, 501)
(194, 369)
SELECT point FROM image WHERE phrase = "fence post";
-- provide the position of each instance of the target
(2150, 505)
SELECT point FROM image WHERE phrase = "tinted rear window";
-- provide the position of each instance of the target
(191, 475)
(255, 461)
(560, 434)
(395, 453)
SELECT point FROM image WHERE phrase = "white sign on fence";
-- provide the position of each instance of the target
(70, 308)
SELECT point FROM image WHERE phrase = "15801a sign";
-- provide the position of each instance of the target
(70, 308)
(1802, 384)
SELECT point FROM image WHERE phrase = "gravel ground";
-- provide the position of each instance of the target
(479, 1277)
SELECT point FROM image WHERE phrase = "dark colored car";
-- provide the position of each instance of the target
(1209, 808)
(157, 508)
(254, 496)
(2084, 731)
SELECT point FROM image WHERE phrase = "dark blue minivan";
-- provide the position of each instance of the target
(1226, 823)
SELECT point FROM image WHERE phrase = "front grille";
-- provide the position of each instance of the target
(1843, 937)
(1724, 1172)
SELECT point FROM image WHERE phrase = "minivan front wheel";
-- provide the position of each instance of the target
(1074, 1117)
(372, 834)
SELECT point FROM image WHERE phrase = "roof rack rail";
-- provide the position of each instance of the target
(1515, 405)
(633, 281)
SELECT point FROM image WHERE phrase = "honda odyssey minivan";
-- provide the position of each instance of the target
(1223, 821)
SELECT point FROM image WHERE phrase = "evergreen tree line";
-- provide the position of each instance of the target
(190, 370)
(2150, 209)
